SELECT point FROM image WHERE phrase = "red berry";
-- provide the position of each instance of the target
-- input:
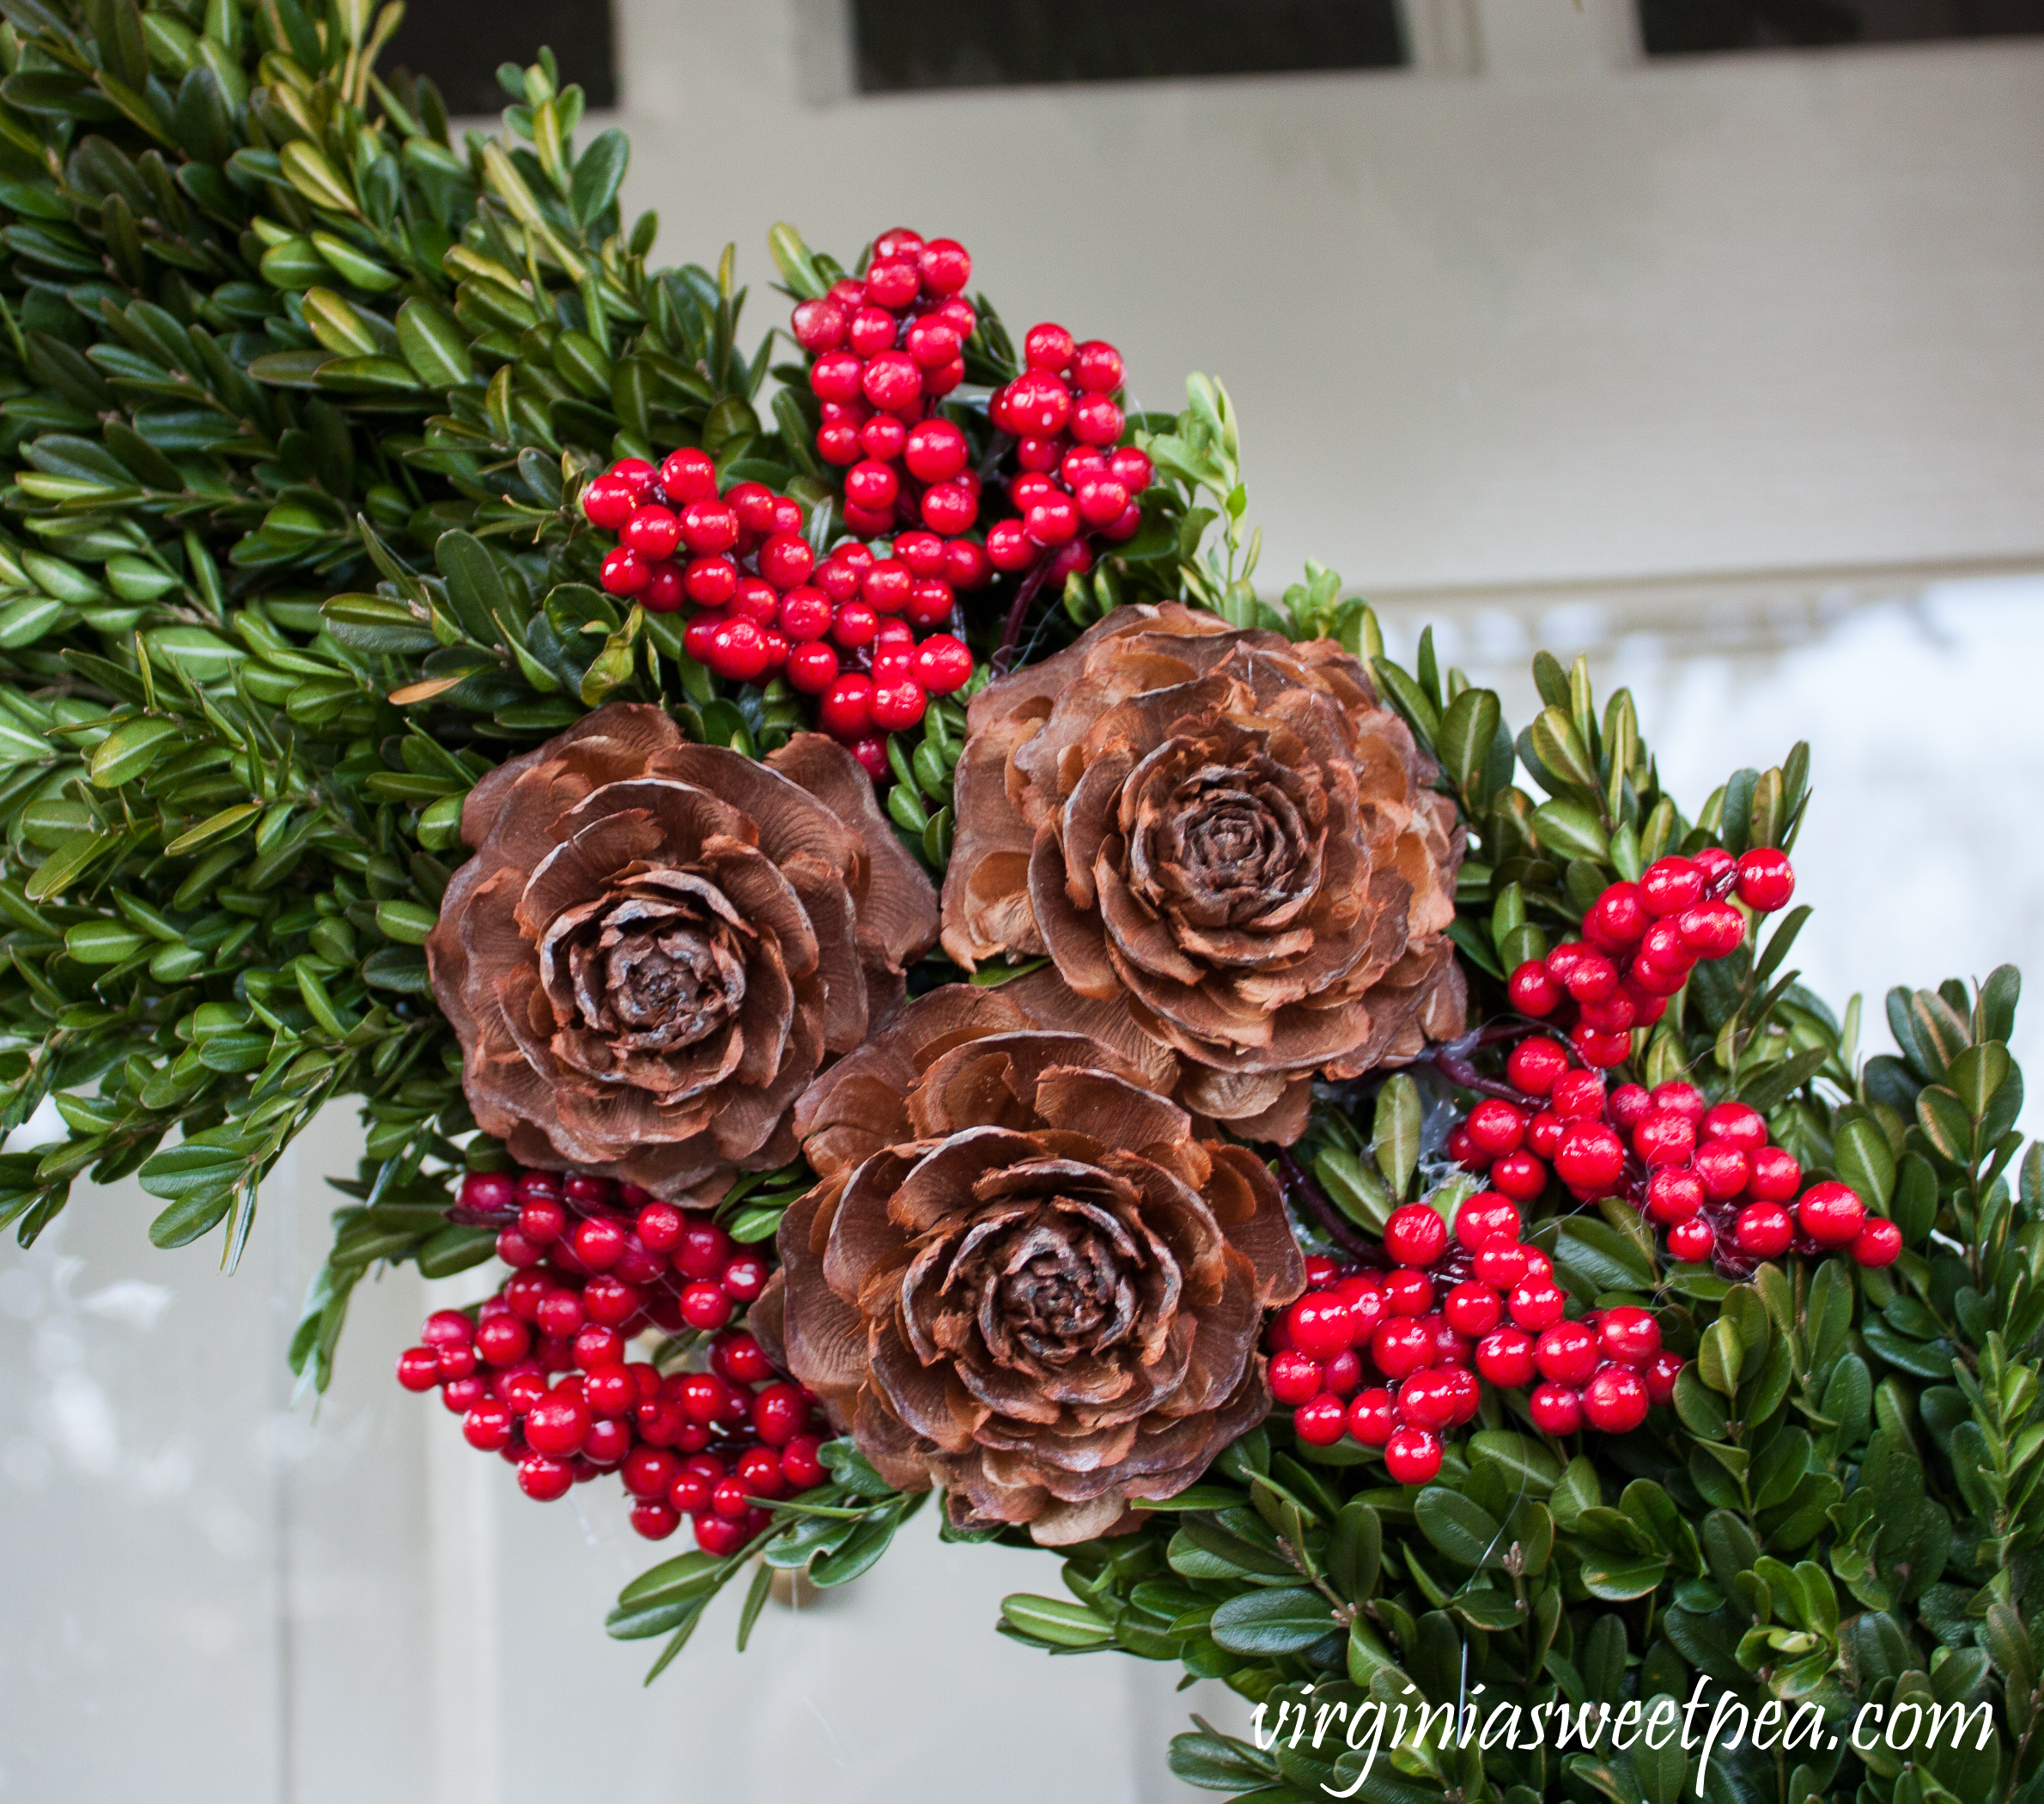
(870, 485)
(1592, 978)
(1664, 1138)
(931, 603)
(1680, 1098)
(1617, 919)
(1038, 402)
(1557, 1409)
(1415, 1236)
(1660, 1373)
(1723, 1170)
(418, 1368)
(819, 326)
(936, 451)
(1674, 1195)
(1473, 1309)
(489, 1190)
(544, 1478)
(780, 1413)
(1568, 1353)
(1048, 347)
(1878, 1243)
(1096, 420)
(1629, 1106)
(871, 752)
(503, 1339)
(740, 1358)
(1630, 1335)
(1763, 1230)
(846, 710)
(608, 503)
(1712, 929)
(1533, 991)
(945, 265)
(898, 705)
(1832, 1214)
(1321, 1422)
(892, 381)
(932, 342)
(487, 1426)
(786, 560)
(704, 1306)
(1668, 885)
(1373, 1416)
(759, 1469)
(654, 1519)
(1009, 547)
(744, 1277)
(560, 1314)
(1097, 367)
(1465, 1152)
(1402, 1345)
(1520, 1175)
(1614, 1400)
(1496, 1127)
(1294, 1377)
(598, 1243)
(800, 1468)
(718, 1536)
(1589, 1158)
(611, 1390)
(1578, 1095)
(1605, 1051)
(1427, 1400)
(1502, 1263)
(1775, 1174)
(1534, 1065)
(1412, 1455)
(1484, 1218)
(1407, 1292)
(1765, 880)
(943, 664)
(624, 572)
(1052, 520)
(558, 1424)
(1344, 1372)
(1536, 1303)
(1505, 1357)
(1691, 1240)
(1320, 1325)
(1364, 1296)
(896, 280)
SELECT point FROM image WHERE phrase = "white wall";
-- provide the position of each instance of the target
(1572, 317)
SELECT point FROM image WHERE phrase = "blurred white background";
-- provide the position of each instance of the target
(1725, 372)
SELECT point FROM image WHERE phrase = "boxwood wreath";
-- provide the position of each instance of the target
(989, 1009)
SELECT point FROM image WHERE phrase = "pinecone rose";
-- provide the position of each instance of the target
(1022, 1277)
(1229, 851)
(657, 945)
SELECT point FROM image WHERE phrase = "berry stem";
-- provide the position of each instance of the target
(1011, 631)
(1299, 1188)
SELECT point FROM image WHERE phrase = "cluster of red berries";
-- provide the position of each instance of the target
(1704, 1172)
(539, 1373)
(1481, 1304)
(884, 351)
(1640, 943)
(843, 630)
(1062, 414)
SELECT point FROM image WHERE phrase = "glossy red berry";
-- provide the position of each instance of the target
(801, 1468)
(1402, 1345)
(1412, 1456)
(1590, 1157)
(1878, 1243)
(1664, 1138)
(1831, 1214)
(1320, 1325)
(1427, 1400)
(1568, 1353)
(1415, 1236)
(1763, 1230)
(1765, 880)
(1097, 367)
(1048, 347)
(780, 1413)
(1536, 1303)
(1674, 1195)
(1691, 1240)
(1775, 1174)
(1484, 1218)
(1668, 885)
(558, 1424)
(1722, 1169)
(1614, 1400)
(1556, 1409)
(1677, 1098)
(503, 1339)
(1473, 1309)
(1496, 1127)
(1407, 1292)
(846, 709)
(418, 1368)
(1373, 1416)
(1660, 1373)
(544, 1478)
(1501, 1264)
(704, 1307)
(1505, 1357)
(1627, 1334)
(1578, 1096)
(1294, 1377)
(1321, 1422)
(1533, 991)
(1534, 1065)
(1519, 1175)
(1617, 919)
(1712, 929)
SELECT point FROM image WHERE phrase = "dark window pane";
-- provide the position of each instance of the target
(460, 43)
(916, 44)
(1685, 27)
